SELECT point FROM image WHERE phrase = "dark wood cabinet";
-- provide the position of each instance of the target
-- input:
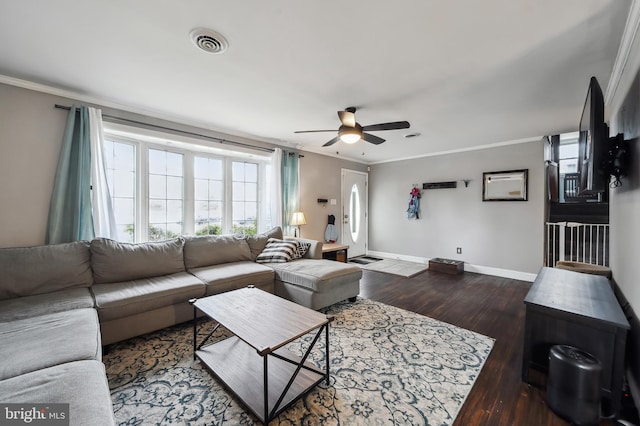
(570, 308)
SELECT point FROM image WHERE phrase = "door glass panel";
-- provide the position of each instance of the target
(354, 213)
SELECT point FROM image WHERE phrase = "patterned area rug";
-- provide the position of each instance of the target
(396, 267)
(388, 366)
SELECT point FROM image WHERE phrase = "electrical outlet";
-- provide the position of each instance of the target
(458, 250)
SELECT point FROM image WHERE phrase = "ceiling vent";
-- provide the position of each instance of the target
(209, 40)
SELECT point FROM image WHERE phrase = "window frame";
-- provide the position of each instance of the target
(567, 141)
(136, 188)
(189, 149)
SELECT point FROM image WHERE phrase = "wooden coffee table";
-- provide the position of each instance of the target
(262, 324)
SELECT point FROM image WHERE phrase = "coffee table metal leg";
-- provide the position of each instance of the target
(326, 338)
(266, 389)
(299, 366)
(195, 331)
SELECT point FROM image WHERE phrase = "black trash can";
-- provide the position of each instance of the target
(573, 385)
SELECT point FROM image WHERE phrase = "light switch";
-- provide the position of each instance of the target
(334, 201)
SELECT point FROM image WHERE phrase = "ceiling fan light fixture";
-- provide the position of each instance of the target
(350, 137)
(350, 134)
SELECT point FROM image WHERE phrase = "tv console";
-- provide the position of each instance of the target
(570, 308)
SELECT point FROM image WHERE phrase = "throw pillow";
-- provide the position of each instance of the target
(258, 242)
(301, 249)
(277, 251)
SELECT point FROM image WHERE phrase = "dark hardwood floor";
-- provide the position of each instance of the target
(488, 305)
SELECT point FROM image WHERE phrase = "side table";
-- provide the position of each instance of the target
(335, 251)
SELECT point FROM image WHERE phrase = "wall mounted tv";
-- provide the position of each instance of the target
(593, 144)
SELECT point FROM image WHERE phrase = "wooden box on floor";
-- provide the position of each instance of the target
(447, 266)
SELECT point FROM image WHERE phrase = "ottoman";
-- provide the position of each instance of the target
(316, 283)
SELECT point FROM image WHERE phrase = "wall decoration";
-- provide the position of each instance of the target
(439, 185)
(414, 203)
(509, 185)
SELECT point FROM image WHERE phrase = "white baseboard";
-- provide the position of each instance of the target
(397, 256)
(498, 272)
(486, 270)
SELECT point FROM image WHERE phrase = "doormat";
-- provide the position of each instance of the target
(364, 260)
(396, 267)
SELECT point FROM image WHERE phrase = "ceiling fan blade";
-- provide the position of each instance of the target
(347, 118)
(332, 141)
(387, 126)
(313, 131)
(372, 138)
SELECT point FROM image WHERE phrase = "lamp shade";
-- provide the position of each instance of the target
(297, 218)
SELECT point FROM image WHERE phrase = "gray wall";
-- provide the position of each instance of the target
(624, 210)
(30, 138)
(31, 132)
(320, 178)
(500, 234)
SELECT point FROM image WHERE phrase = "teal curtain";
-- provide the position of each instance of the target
(290, 189)
(70, 217)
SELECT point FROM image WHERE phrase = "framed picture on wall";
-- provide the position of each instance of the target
(510, 185)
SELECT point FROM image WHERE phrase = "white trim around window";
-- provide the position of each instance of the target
(144, 140)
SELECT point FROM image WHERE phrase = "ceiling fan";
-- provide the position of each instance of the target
(351, 131)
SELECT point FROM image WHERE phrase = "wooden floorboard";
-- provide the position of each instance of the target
(492, 306)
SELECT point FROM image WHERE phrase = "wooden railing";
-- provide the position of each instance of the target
(578, 242)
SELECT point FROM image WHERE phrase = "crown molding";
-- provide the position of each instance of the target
(105, 103)
(624, 51)
(471, 148)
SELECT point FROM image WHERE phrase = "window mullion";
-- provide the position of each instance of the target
(142, 203)
(228, 197)
(188, 194)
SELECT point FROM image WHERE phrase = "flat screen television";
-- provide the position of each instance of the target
(593, 144)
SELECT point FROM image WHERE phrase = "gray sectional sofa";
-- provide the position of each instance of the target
(60, 304)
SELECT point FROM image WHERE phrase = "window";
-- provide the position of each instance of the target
(165, 194)
(120, 161)
(354, 213)
(209, 195)
(162, 188)
(568, 153)
(245, 197)
(568, 166)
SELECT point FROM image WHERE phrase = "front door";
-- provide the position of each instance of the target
(354, 211)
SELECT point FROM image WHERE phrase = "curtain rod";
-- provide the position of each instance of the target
(185, 132)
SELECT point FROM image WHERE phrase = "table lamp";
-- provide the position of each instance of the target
(297, 219)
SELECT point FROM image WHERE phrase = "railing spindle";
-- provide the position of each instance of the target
(582, 235)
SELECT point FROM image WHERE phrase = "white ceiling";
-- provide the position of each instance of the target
(462, 72)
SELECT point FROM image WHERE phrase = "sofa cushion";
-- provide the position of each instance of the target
(35, 343)
(302, 247)
(257, 242)
(117, 300)
(81, 384)
(312, 273)
(44, 269)
(42, 304)
(214, 250)
(277, 251)
(114, 262)
(232, 276)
